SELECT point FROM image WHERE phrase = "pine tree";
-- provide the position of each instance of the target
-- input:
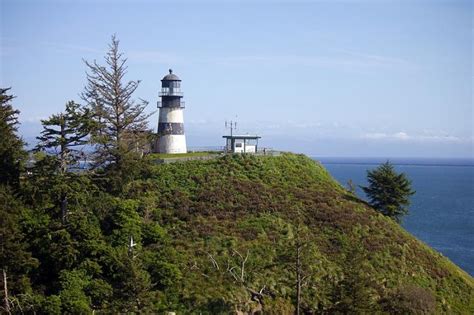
(12, 154)
(388, 191)
(63, 133)
(121, 122)
(64, 136)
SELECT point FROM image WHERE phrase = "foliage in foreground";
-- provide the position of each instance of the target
(222, 236)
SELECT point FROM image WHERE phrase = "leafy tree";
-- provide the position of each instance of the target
(388, 191)
(64, 136)
(122, 133)
(49, 305)
(12, 154)
(73, 297)
(15, 259)
(58, 195)
(131, 280)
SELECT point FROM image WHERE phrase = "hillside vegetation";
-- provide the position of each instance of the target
(235, 223)
(237, 234)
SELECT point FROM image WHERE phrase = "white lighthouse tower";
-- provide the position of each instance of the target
(171, 138)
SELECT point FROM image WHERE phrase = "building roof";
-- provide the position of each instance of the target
(171, 77)
(242, 137)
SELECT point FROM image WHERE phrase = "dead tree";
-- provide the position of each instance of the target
(237, 270)
(301, 273)
(6, 302)
(299, 259)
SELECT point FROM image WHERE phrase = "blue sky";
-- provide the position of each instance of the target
(326, 78)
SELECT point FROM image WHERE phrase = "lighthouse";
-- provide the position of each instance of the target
(171, 138)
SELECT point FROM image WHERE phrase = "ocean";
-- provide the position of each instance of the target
(442, 210)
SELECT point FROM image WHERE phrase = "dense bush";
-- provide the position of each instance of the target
(409, 299)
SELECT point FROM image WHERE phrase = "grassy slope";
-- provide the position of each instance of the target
(219, 210)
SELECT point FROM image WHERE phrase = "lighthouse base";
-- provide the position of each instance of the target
(171, 144)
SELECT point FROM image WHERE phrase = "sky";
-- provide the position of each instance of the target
(325, 78)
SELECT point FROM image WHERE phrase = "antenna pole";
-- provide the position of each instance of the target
(232, 125)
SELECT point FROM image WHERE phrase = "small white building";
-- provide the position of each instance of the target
(241, 143)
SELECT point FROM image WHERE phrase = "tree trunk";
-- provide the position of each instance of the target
(63, 152)
(5, 290)
(63, 205)
(63, 160)
(298, 277)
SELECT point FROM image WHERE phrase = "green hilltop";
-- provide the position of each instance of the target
(236, 223)
(237, 234)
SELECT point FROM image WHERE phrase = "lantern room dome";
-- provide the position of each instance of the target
(171, 77)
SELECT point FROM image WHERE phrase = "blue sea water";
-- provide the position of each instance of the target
(442, 210)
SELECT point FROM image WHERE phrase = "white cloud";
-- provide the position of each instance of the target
(403, 136)
(376, 135)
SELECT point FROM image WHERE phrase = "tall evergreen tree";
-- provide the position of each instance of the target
(122, 122)
(63, 136)
(388, 191)
(12, 154)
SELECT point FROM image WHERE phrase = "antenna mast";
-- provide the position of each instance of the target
(232, 125)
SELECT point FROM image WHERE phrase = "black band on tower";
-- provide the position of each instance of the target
(171, 101)
(170, 128)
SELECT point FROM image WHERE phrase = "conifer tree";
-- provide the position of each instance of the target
(121, 121)
(388, 191)
(64, 136)
(12, 154)
(15, 259)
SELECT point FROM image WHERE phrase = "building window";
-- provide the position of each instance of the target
(175, 84)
